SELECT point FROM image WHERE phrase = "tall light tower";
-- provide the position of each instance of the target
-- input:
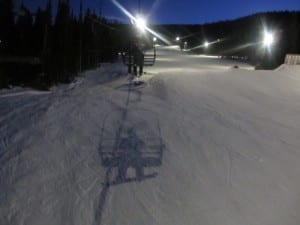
(101, 7)
(140, 20)
(139, 6)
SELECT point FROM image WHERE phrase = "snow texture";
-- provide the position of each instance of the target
(196, 141)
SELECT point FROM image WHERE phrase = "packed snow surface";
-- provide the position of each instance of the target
(196, 141)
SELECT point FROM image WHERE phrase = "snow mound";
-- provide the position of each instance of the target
(291, 69)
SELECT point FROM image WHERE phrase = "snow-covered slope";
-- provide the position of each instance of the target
(226, 146)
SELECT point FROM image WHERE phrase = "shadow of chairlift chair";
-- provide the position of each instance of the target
(151, 154)
(114, 154)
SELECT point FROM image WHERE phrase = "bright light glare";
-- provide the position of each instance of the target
(205, 44)
(268, 39)
(140, 23)
(154, 39)
(177, 38)
(132, 18)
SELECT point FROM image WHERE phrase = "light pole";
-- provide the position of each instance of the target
(139, 6)
(101, 7)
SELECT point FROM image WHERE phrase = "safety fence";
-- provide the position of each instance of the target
(292, 59)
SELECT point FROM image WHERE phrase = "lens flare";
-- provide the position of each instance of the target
(135, 21)
(140, 23)
(268, 39)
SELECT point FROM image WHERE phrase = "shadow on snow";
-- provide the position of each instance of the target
(130, 143)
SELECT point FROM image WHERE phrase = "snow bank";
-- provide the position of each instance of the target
(291, 69)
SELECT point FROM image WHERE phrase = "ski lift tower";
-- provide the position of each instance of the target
(146, 43)
(140, 51)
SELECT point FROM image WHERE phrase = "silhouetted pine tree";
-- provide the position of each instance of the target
(88, 39)
(79, 34)
(7, 29)
(61, 43)
(24, 32)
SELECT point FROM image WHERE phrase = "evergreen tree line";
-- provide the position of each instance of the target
(42, 49)
(243, 37)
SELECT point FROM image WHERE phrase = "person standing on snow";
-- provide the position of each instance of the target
(138, 60)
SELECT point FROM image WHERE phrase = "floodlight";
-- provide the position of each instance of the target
(154, 39)
(140, 23)
(177, 38)
(268, 39)
(206, 44)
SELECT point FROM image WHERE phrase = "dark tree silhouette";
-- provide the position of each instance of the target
(7, 28)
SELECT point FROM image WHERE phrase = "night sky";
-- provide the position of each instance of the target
(180, 11)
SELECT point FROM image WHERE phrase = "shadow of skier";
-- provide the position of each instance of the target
(130, 156)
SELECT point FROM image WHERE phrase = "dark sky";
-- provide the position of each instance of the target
(181, 11)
